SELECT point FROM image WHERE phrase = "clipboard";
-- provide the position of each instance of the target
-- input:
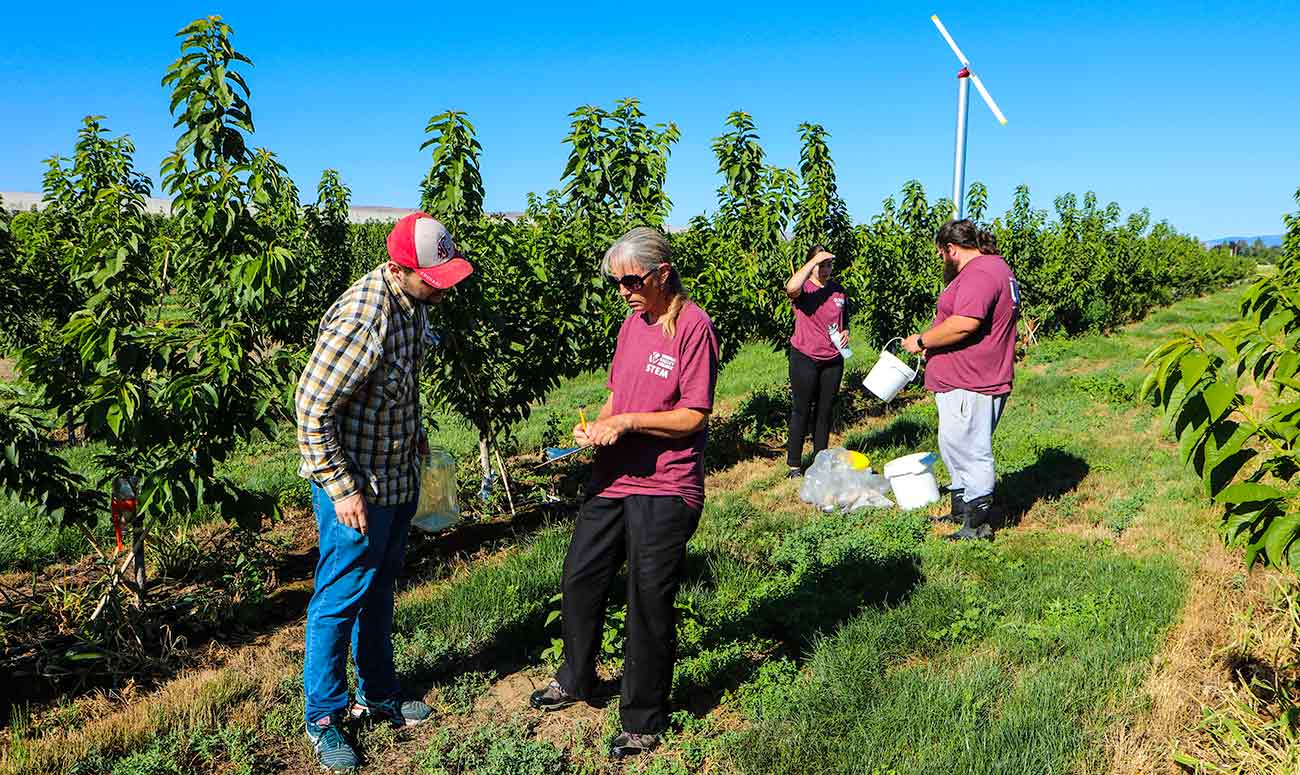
(562, 456)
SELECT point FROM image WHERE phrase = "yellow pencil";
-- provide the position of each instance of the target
(582, 416)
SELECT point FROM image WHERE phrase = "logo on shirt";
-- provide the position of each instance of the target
(660, 365)
(838, 299)
(1015, 292)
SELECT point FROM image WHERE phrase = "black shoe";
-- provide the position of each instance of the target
(957, 512)
(632, 744)
(793, 473)
(553, 697)
(975, 523)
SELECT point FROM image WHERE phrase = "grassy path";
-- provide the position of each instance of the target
(860, 643)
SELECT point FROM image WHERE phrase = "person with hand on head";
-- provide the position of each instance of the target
(821, 317)
(360, 437)
(970, 353)
(646, 491)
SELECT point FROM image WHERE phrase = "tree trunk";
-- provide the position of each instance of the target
(484, 456)
(485, 464)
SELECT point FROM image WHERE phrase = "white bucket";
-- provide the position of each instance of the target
(889, 375)
(911, 477)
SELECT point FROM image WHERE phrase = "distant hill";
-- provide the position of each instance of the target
(1270, 240)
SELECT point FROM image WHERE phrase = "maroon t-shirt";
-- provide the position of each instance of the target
(984, 362)
(815, 311)
(652, 373)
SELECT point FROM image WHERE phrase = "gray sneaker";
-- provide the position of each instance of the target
(332, 749)
(393, 711)
(632, 744)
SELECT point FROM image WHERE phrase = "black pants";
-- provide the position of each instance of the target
(813, 385)
(650, 532)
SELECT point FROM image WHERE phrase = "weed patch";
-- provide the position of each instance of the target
(492, 749)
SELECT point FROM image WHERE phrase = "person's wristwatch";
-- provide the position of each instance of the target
(920, 342)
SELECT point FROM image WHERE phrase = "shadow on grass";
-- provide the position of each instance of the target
(787, 611)
(904, 432)
(1055, 473)
(792, 610)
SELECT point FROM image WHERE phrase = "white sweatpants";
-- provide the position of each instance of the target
(966, 424)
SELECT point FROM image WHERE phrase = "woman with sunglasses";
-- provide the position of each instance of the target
(816, 365)
(646, 492)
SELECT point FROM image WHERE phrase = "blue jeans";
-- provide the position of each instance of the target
(353, 600)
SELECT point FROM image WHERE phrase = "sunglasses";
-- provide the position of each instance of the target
(634, 282)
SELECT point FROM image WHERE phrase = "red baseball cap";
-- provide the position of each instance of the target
(420, 242)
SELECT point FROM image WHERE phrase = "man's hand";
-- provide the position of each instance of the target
(602, 433)
(911, 344)
(351, 511)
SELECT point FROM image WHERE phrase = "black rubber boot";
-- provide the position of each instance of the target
(976, 521)
(958, 510)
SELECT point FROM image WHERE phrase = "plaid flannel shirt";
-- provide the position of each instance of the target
(358, 401)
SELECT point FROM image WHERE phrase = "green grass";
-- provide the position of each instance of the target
(858, 641)
(1058, 625)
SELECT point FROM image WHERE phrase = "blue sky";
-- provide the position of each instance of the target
(1186, 108)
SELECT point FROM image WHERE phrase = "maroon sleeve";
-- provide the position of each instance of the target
(699, 366)
(976, 296)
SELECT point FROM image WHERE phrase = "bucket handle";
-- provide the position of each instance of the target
(886, 349)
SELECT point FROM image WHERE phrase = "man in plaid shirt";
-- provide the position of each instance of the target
(359, 433)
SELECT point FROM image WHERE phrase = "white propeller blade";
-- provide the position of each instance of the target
(988, 98)
(951, 43)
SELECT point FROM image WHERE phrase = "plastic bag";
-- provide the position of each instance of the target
(842, 479)
(439, 507)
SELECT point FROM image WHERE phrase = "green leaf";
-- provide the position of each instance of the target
(1218, 398)
(1287, 366)
(86, 656)
(1280, 534)
(1226, 468)
(1237, 521)
(1226, 342)
(1193, 365)
(1249, 492)
(114, 419)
